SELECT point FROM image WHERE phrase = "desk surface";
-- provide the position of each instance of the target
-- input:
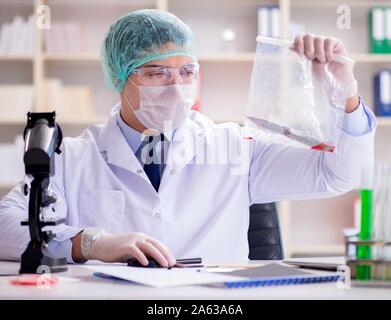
(79, 283)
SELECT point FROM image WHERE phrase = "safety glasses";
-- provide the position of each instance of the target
(162, 76)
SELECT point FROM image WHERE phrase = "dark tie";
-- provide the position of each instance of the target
(152, 167)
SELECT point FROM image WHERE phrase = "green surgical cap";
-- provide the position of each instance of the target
(140, 37)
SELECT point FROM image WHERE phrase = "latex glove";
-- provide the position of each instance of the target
(109, 247)
(337, 77)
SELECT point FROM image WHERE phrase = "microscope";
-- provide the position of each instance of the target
(42, 138)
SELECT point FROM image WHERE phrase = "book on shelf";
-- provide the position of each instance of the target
(12, 167)
(69, 102)
(18, 36)
(64, 37)
(15, 101)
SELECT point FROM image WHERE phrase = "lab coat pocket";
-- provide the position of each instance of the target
(102, 208)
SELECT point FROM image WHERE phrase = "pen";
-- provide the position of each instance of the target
(190, 261)
(279, 129)
(181, 265)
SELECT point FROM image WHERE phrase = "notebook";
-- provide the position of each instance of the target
(321, 263)
(275, 274)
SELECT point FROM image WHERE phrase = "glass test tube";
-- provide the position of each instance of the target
(366, 195)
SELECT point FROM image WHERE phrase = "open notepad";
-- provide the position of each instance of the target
(269, 274)
(161, 277)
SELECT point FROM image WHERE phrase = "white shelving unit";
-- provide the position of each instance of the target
(222, 72)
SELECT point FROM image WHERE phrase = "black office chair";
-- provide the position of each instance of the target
(264, 235)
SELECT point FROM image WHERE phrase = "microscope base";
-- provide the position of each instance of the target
(34, 261)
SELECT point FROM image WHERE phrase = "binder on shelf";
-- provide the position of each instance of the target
(268, 21)
(377, 30)
(263, 21)
(383, 93)
(388, 30)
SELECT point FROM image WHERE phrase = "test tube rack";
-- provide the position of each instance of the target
(379, 265)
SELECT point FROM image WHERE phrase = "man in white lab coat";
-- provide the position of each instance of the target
(121, 201)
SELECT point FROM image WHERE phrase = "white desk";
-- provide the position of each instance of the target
(87, 286)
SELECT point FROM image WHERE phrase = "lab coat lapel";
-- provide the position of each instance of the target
(117, 150)
(183, 147)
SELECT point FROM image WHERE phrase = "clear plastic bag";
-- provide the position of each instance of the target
(290, 102)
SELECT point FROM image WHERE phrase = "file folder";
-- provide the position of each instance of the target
(377, 30)
(268, 21)
(383, 93)
(388, 30)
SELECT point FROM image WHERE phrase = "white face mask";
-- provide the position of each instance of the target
(160, 104)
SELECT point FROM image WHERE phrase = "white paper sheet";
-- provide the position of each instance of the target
(160, 277)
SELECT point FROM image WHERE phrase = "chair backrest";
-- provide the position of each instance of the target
(264, 236)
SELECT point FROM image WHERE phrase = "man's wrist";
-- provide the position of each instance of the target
(76, 248)
(88, 236)
(352, 103)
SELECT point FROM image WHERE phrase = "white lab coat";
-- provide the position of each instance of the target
(201, 209)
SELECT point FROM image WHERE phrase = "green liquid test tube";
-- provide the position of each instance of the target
(364, 252)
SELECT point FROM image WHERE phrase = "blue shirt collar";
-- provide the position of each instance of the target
(132, 136)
